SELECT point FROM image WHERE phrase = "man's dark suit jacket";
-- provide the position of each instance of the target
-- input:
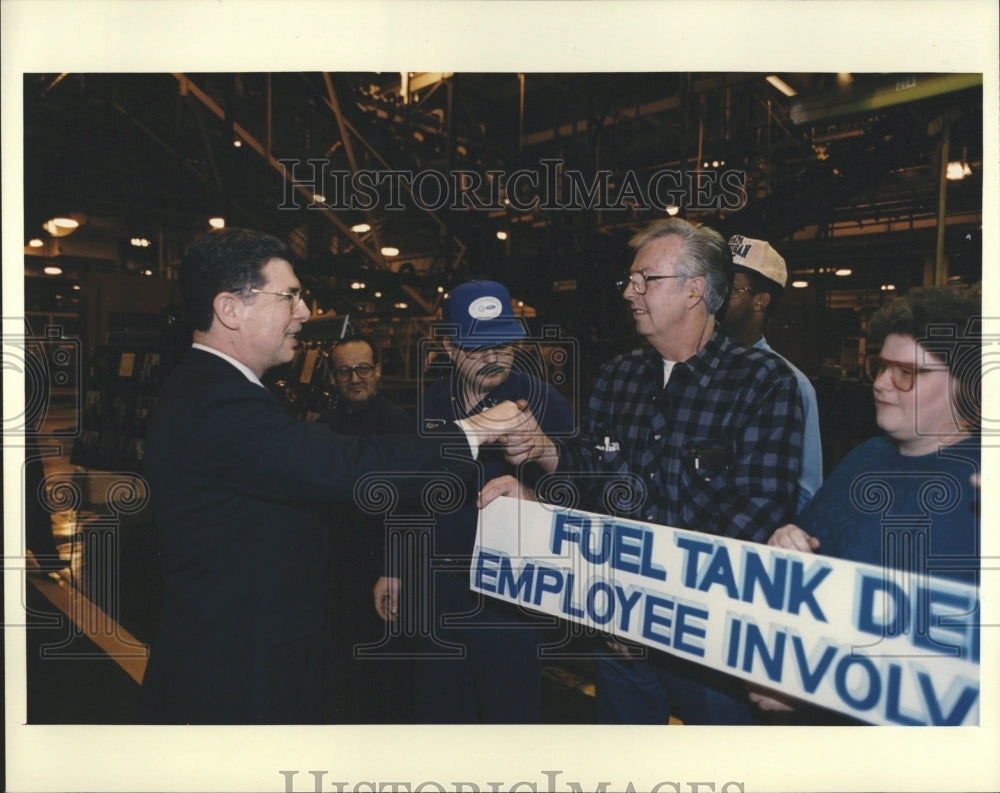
(237, 489)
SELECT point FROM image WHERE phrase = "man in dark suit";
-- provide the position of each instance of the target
(237, 491)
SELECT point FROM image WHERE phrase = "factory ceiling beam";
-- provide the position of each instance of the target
(187, 86)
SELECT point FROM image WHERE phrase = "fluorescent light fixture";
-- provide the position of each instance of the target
(781, 85)
(52, 270)
(361, 228)
(388, 250)
(800, 284)
(843, 271)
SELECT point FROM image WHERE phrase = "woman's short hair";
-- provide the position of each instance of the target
(945, 323)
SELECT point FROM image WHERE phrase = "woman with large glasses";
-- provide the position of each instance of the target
(908, 500)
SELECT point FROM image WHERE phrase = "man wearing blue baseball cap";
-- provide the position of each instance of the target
(488, 668)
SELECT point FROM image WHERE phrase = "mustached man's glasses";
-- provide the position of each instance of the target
(640, 281)
(294, 297)
(902, 374)
(362, 370)
(497, 350)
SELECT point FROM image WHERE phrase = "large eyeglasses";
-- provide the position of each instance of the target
(902, 374)
(744, 290)
(640, 280)
(497, 350)
(362, 370)
(294, 297)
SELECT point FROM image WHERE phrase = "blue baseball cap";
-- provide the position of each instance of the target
(479, 314)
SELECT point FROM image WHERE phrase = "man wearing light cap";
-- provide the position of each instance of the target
(759, 279)
(497, 678)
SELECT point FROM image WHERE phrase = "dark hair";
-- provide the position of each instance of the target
(358, 338)
(947, 324)
(224, 260)
(707, 254)
(761, 283)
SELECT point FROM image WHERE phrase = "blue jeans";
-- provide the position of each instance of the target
(649, 691)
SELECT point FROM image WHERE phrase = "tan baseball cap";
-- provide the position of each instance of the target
(759, 256)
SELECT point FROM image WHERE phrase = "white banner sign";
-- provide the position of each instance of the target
(882, 646)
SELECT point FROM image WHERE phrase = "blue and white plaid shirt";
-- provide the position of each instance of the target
(718, 449)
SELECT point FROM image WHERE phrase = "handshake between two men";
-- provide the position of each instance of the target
(513, 425)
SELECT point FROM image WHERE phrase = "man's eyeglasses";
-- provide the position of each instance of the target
(362, 370)
(640, 281)
(744, 290)
(294, 297)
(482, 352)
(903, 375)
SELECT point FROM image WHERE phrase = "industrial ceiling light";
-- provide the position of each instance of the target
(35, 242)
(139, 242)
(388, 250)
(781, 85)
(52, 270)
(673, 210)
(361, 228)
(843, 271)
(217, 222)
(958, 170)
(61, 225)
(800, 284)
(501, 235)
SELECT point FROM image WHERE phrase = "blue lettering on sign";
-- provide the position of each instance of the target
(627, 547)
(770, 582)
(486, 570)
(512, 587)
(934, 617)
(780, 589)
(605, 589)
(811, 677)
(627, 601)
(549, 580)
(686, 614)
(859, 683)
(653, 616)
(867, 695)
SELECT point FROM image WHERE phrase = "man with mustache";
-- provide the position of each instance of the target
(488, 668)
(237, 490)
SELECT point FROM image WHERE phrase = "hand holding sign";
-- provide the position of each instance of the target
(504, 486)
(793, 538)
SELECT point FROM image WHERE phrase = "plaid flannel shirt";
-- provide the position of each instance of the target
(718, 449)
